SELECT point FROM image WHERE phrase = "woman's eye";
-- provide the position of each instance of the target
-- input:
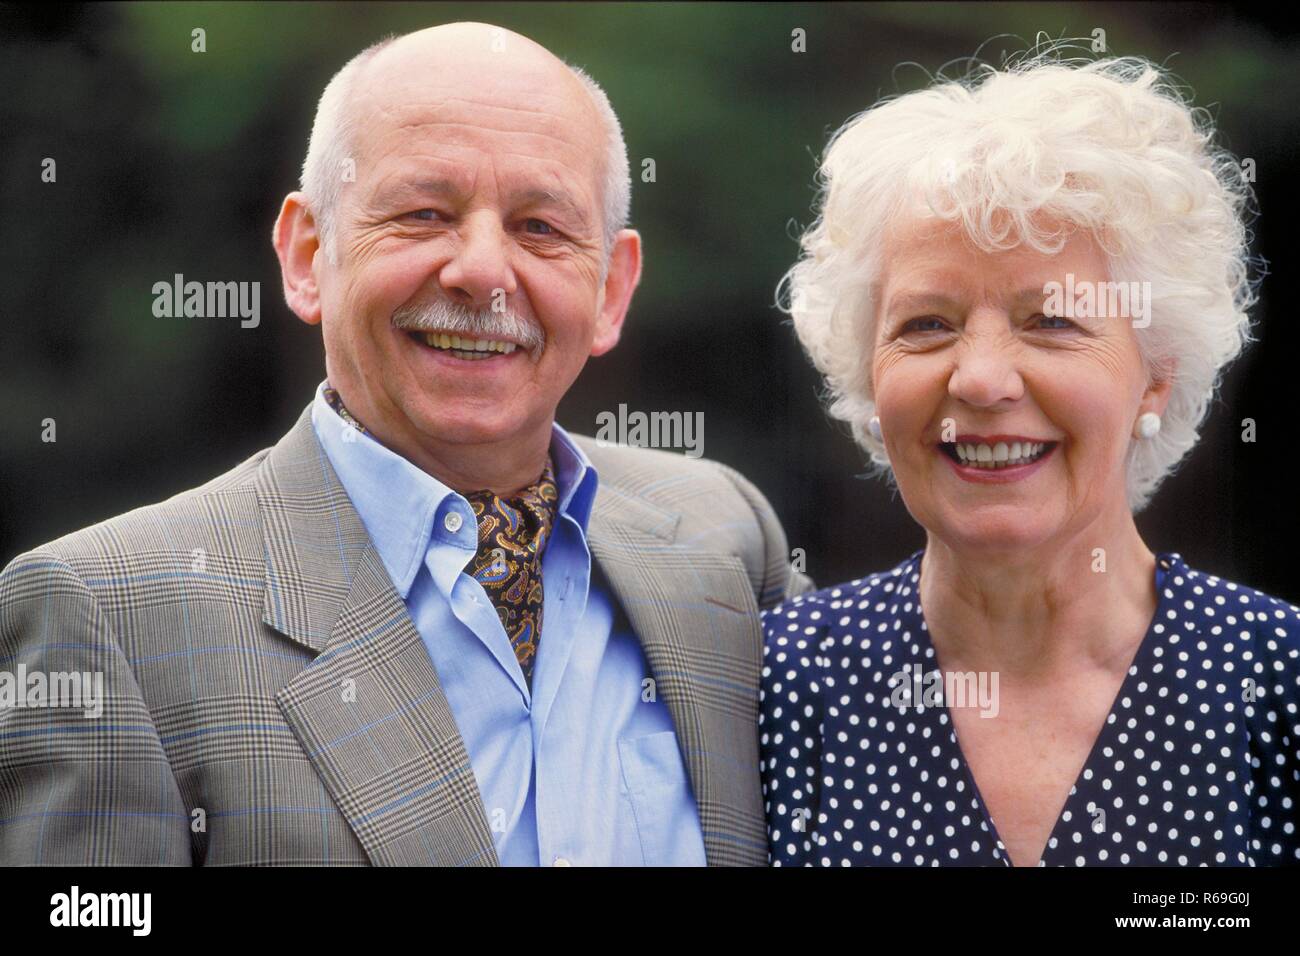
(427, 215)
(1053, 322)
(539, 228)
(927, 323)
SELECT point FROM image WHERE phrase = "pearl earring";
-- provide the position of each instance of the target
(873, 426)
(1148, 425)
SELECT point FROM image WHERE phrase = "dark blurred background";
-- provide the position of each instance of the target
(175, 162)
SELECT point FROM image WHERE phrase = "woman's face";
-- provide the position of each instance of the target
(967, 354)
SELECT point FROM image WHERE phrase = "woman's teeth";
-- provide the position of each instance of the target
(1000, 455)
(466, 348)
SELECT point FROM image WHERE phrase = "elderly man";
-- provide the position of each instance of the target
(429, 626)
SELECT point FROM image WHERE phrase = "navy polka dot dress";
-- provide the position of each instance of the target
(1197, 763)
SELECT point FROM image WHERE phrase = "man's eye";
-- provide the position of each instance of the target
(427, 215)
(928, 323)
(539, 228)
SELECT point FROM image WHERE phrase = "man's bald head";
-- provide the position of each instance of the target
(462, 49)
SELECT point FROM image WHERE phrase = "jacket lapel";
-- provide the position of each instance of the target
(369, 710)
(695, 615)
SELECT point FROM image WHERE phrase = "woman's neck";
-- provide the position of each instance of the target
(1086, 601)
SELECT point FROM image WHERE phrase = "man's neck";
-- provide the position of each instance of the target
(503, 467)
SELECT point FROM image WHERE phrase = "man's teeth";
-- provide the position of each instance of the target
(1000, 455)
(467, 347)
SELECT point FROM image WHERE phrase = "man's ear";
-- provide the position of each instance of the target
(616, 295)
(296, 242)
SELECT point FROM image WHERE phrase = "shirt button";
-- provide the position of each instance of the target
(452, 521)
(561, 861)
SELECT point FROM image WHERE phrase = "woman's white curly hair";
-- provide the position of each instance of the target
(1109, 146)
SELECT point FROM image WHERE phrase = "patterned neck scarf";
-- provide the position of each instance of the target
(512, 536)
(335, 402)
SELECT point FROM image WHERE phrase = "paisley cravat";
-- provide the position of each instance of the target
(512, 536)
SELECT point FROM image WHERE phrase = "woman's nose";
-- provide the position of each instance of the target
(986, 369)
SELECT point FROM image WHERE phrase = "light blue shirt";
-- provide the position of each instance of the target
(580, 771)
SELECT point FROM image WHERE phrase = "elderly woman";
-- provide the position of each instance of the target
(1021, 290)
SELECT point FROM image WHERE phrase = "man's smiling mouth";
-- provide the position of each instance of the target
(463, 347)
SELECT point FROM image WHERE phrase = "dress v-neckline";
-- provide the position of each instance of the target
(1136, 667)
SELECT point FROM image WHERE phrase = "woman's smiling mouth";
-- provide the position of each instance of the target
(996, 458)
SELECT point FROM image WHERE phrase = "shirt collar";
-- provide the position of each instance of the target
(575, 477)
(399, 502)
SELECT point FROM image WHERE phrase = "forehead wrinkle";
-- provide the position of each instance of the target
(907, 301)
(560, 194)
(479, 127)
(412, 181)
(553, 118)
(554, 121)
(919, 283)
(391, 142)
(1029, 294)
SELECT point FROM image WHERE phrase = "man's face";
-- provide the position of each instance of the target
(480, 187)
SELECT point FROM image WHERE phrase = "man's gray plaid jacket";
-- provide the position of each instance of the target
(227, 620)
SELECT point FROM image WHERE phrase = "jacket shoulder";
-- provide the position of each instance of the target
(695, 488)
(638, 469)
(714, 507)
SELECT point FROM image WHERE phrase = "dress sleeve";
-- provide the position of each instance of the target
(790, 731)
(1274, 719)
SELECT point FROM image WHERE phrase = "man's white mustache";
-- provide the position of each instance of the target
(442, 316)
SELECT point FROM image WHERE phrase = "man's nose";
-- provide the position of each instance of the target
(479, 263)
(986, 369)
